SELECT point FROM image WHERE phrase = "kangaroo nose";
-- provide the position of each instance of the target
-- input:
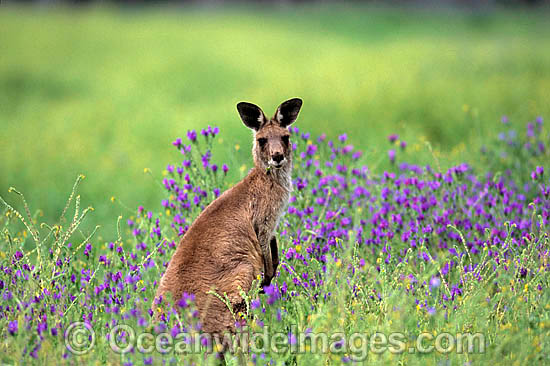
(278, 158)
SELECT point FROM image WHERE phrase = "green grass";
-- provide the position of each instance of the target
(351, 267)
(103, 91)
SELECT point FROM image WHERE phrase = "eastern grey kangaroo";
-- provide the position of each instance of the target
(231, 242)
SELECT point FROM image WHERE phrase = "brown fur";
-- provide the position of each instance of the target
(231, 242)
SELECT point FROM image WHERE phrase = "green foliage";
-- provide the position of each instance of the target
(515, 155)
(495, 289)
(105, 89)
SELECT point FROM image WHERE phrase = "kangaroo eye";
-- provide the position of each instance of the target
(286, 139)
(262, 141)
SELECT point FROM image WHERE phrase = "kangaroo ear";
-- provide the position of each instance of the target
(288, 112)
(253, 117)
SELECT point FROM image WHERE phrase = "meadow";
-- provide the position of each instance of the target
(102, 92)
(420, 206)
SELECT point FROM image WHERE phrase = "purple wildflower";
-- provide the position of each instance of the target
(391, 155)
(177, 143)
(393, 137)
(13, 327)
(192, 135)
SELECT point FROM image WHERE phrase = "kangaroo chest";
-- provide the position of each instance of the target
(267, 213)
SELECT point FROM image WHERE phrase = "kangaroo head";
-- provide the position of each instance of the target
(272, 148)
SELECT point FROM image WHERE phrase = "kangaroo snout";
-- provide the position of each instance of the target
(277, 154)
(278, 158)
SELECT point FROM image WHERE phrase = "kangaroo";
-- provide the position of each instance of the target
(231, 242)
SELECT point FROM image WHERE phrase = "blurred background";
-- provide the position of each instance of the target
(103, 88)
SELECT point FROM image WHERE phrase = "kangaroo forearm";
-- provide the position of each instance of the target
(274, 254)
(264, 240)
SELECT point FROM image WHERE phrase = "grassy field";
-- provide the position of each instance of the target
(104, 91)
(372, 250)
(416, 266)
